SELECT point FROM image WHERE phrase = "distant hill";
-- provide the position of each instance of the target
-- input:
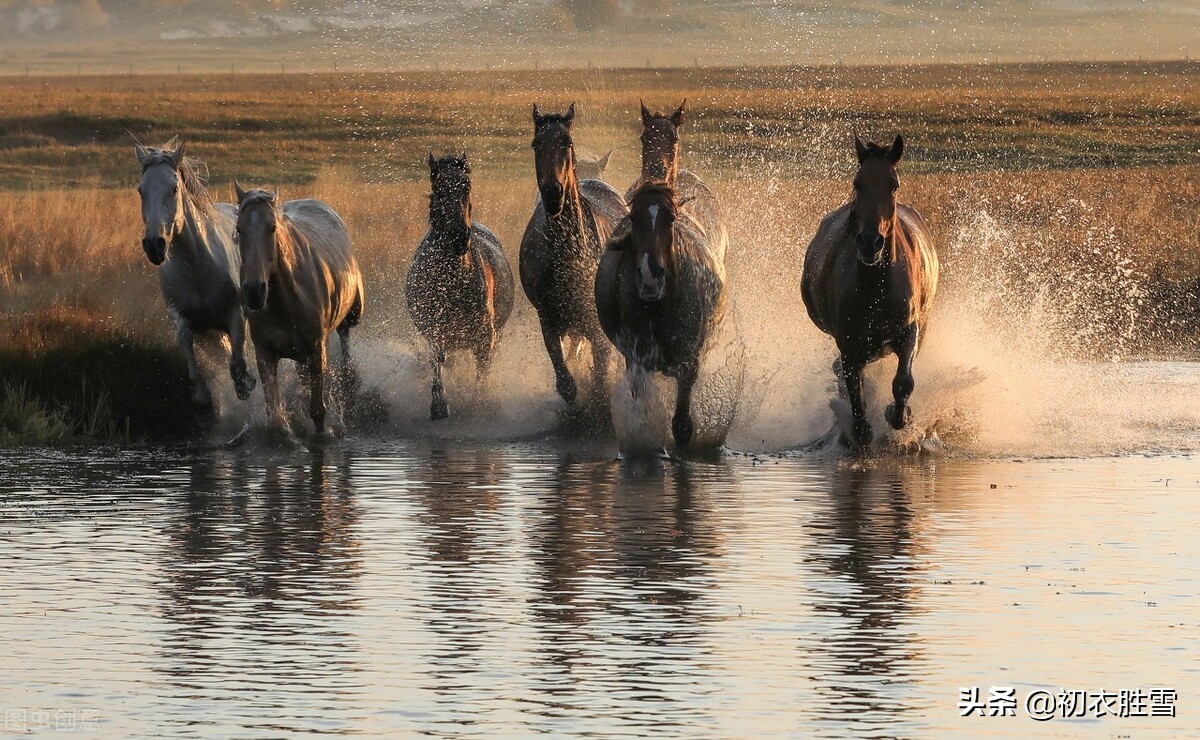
(61, 34)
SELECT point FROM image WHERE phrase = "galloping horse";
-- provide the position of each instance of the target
(460, 287)
(660, 163)
(660, 291)
(562, 247)
(191, 238)
(870, 275)
(300, 281)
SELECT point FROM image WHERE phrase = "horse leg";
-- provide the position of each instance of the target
(438, 407)
(682, 427)
(268, 373)
(861, 428)
(898, 413)
(202, 398)
(563, 382)
(348, 381)
(316, 388)
(243, 381)
(600, 355)
(841, 379)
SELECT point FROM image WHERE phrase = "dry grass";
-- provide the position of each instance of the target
(1085, 189)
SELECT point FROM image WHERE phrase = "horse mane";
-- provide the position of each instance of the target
(657, 190)
(284, 234)
(193, 172)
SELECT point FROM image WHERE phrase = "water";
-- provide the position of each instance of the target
(395, 588)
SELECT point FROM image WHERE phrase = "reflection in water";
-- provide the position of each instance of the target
(623, 564)
(395, 591)
(865, 552)
(257, 568)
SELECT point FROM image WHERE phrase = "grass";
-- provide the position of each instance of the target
(71, 375)
(1073, 186)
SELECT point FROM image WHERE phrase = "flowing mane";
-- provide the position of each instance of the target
(193, 172)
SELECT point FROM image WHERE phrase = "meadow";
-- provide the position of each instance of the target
(1073, 187)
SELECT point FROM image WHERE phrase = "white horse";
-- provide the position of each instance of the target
(190, 237)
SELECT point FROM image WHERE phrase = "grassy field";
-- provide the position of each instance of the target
(1044, 180)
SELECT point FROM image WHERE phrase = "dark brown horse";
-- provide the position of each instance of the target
(660, 163)
(460, 287)
(562, 247)
(870, 275)
(660, 291)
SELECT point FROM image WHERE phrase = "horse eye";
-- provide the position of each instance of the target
(174, 190)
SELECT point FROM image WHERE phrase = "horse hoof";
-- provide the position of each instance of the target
(243, 386)
(682, 430)
(898, 421)
(439, 410)
(863, 436)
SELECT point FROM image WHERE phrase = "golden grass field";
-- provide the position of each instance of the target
(1048, 178)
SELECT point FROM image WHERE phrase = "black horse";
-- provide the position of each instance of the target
(562, 247)
(460, 287)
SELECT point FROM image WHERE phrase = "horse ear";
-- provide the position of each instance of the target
(620, 239)
(677, 116)
(604, 161)
(646, 114)
(142, 153)
(432, 163)
(177, 155)
(897, 150)
(237, 190)
(570, 115)
(537, 116)
(860, 148)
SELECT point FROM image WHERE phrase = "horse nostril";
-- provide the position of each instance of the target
(879, 243)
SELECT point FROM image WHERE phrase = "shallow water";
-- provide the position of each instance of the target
(498, 588)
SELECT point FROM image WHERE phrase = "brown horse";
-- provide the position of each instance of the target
(460, 287)
(870, 275)
(300, 282)
(562, 247)
(660, 163)
(660, 291)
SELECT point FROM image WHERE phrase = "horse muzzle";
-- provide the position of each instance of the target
(553, 200)
(155, 248)
(652, 291)
(870, 249)
(255, 295)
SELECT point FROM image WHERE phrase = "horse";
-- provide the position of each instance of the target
(870, 275)
(590, 167)
(460, 287)
(300, 282)
(660, 292)
(660, 163)
(190, 238)
(561, 248)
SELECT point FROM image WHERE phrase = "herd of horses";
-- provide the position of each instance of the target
(642, 272)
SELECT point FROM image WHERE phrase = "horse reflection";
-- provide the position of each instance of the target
(622, 566)
(868, 544)
(259, 566)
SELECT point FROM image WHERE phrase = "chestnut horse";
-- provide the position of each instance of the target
(660, 163)
(562, 247)
(460, 287)
(660, 291)
(300, 282)
(870, 275)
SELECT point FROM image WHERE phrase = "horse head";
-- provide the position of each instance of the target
(554, 157)
(875, 188)
(660, 144)
(450, 200)
(258, 236)
(162, 191)
(651, 237)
